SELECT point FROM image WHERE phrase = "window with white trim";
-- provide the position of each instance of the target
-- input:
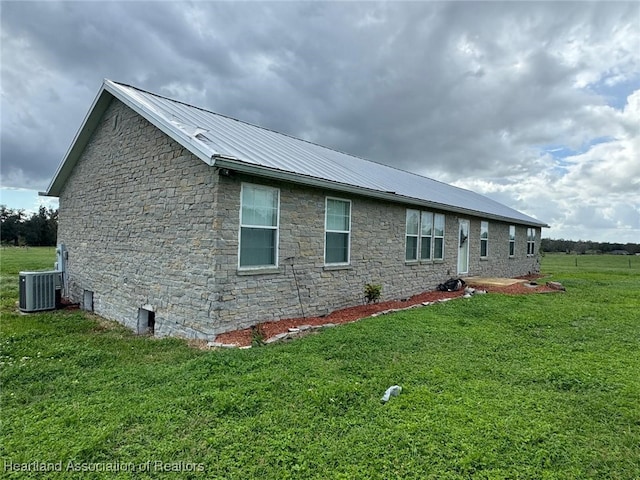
(531, 241)
(337, 231)
(424, 236)
(484, 239)
(438, 236)
(259, 217)
(411, 240)
(512, 240)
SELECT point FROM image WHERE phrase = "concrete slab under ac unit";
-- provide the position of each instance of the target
(492, 281)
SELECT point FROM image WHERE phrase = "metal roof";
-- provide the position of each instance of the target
(229, 143)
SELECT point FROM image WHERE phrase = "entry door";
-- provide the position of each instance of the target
(463, 247)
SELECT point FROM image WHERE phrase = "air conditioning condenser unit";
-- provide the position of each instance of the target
(38, 290)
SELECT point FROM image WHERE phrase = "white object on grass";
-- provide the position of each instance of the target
(393, 391)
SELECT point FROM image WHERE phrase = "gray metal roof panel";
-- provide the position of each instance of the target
(210, 135)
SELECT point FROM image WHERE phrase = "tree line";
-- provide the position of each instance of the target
(19, 229)
(581, 247)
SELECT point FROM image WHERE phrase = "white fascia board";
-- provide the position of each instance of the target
(260, 171)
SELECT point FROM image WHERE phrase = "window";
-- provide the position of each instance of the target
(438, 236)
(531, 241)
(424, 234)
(337, 231)
(259, 215)
(413, 226)
(484, 239)
(512, 240)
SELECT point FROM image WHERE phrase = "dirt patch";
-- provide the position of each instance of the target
(495, 281)
(267, 330)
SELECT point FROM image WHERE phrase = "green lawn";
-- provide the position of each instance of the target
(530, 387)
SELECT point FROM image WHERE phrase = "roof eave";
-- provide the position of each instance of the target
(235, 164)
(110, 90)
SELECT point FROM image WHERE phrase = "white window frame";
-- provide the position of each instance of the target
(326, 230)
(408, 235)
(484, 228)
(531, 242)
(430, 215)
(433, 240)
(275, 227)
(512, 241)
(435, 217)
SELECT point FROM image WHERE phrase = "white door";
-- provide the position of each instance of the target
(463, 247)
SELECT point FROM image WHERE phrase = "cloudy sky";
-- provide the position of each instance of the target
(534, 104)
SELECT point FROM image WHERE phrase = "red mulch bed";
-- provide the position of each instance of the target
(267, 330)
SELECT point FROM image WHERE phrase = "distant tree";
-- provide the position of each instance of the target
(11, 225)
(41, 229)
(582, 247)
(632, 248)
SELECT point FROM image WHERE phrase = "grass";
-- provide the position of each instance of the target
(495, 387)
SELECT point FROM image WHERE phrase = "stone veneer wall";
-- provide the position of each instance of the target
(498, 263)
(136, 216)
(148, 225)
(377, 256)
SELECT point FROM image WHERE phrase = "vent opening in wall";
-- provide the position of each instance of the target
(146, 321)
(87, 301)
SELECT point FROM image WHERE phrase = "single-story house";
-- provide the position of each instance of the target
(181, 221)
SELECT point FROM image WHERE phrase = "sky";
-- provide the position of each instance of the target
(533, 104)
